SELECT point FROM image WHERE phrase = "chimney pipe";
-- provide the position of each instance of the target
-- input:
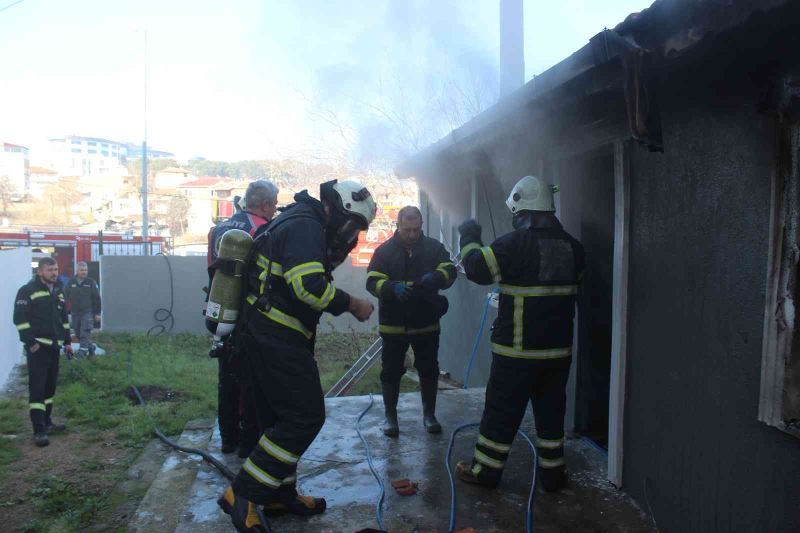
(512, 52)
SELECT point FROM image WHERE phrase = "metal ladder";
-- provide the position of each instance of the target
(357, 371)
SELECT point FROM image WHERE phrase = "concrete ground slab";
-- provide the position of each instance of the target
(335, 467)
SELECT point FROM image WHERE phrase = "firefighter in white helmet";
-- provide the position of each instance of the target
(538, 267)
(288, 284)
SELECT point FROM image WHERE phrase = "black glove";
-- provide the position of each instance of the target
(430, 282)
(470, 232)
(401, 291)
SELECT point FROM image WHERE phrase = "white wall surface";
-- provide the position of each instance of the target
(16, 268)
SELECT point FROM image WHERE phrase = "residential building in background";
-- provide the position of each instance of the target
(83, 156)
(135, 152)
(15, 163)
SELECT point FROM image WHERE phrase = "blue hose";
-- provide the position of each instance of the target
(531, 496)
(484, 314)
(379, 506)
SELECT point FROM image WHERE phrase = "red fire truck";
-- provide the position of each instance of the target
(69, 248)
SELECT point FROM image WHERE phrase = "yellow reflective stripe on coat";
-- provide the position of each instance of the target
(282, 318)
(402, 330)
(274, 268)
(42, 340)
(376, 274)
(549, 444)
(379, 286)
(313, 267)
(23, 326)
(317, 304)
(291, 480)
(38, 406)
(491, 262)
(261, 476)
(488, 461)
(277, 452)
(66, 325)
(468, 248)
(519, 308)
(496, 446)
(286, 320)
(442, 267)
(551, 353)
(39, 294)
(526, 292)
(551, 463)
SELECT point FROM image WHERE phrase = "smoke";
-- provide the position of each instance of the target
(418, 71)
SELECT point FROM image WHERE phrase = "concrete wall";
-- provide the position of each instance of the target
(133, 288)
(16, 267)
(699, 239)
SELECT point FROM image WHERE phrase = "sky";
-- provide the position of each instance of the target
(261, 79)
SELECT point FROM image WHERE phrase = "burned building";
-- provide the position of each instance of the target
(674, 139)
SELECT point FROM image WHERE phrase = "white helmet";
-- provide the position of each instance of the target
(532, 194)
(356, 200)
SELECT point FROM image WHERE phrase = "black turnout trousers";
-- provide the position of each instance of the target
(42, 377)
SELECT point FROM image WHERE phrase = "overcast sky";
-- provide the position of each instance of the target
(246, 79)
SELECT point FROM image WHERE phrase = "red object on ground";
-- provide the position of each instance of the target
(465, 530)
(405, 487)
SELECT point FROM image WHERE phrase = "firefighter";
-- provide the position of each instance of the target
(290, 285)
(83, 297)
(40, 315)
(405, 274)
(539, 267)
(238, 426)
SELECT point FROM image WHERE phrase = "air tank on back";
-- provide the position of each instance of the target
(224, 298)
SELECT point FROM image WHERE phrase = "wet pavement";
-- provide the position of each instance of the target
(335, 467)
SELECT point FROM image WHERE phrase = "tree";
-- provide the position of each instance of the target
(177, 213)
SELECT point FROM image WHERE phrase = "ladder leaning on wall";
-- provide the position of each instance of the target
(357, 371)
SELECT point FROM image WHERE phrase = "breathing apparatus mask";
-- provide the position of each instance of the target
(351, 209)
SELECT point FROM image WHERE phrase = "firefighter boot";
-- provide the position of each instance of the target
(553, 479)
(391, 393)
(243, 513)
(476, 474)
(428, 388)
(289, 501)
(51, 426)
(39, 421)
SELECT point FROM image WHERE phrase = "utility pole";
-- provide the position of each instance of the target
(145, 221)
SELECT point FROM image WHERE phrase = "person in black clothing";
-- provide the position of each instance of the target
(40, 316)
(238, 426)
(289, 285)
(539, 268)
(405, 274)
(83, 296)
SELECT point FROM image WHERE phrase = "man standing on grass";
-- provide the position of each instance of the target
(40, 315)
(83, 296)
(405, 274)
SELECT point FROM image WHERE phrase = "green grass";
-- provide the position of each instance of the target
(95, 393)
(10, 423)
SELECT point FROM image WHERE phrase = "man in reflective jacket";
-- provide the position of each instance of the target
(40, 315)
(539, 267)
(289, 286)
(405, 274)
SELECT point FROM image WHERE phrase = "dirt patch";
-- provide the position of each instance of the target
(153, 394)
(88, 463)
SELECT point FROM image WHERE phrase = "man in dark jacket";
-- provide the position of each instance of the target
(83, 296)
(539, 267)
(289, 286)
(405, 274)
(238, 426)
(40, 315)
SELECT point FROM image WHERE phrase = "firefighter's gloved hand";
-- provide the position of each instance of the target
(68, 351)
(401, 291)
(470, 232)
(430, 282)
